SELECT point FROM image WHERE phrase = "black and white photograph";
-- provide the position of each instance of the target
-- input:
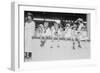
(56, 36)
(51, 36)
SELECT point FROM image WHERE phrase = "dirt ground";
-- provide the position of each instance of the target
(63, 52)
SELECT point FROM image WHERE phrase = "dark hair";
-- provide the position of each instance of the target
(30, 14)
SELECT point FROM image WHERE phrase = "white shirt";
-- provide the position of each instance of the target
(80, 26)
(48, 32)
(29, 32)
(54, 32)
(68, 32)
(74, 34)
(30, 28)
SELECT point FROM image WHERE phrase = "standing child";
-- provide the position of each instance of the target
(67, 31)
(75, 36)
(54, 33)
(29, 32)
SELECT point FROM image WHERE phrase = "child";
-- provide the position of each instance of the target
(67, 32)
(60, 32)
(41, 31)
(45, 33)
(54, 33)
(75, 36)
(29, 32)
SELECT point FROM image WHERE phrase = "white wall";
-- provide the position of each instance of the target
(5, 27)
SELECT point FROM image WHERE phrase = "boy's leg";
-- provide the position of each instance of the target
(41, 42)
(52, 40)
(73, 40)
(79, 43)
(45, 39)
(74, 44)
(42, 38)
(58, 41)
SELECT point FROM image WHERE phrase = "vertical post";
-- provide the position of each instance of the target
(88, 26)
